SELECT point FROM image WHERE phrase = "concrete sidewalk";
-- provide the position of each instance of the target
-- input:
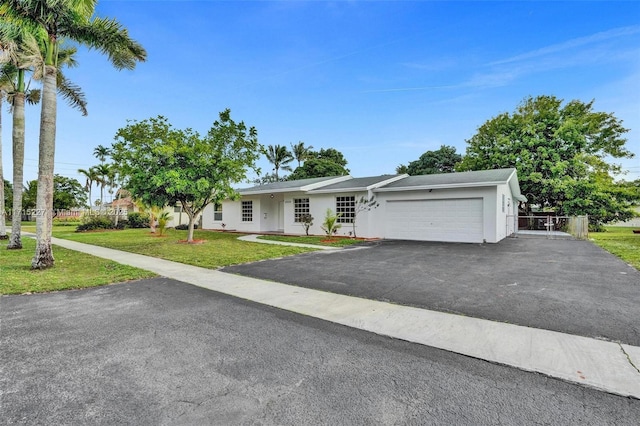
(607, 366)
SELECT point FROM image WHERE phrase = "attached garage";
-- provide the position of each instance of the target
(455, 220)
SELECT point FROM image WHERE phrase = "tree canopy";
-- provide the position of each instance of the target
(163, 166)
(326, 162)
(561, 153)
(442, 160)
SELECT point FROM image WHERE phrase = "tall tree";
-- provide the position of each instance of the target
(92, 178)
(326, 162)
(300, 152)
(560, 152)
(101, 152)
(26, 53)
(280, 157)
(103, 174)
(3, 218)
(442, 160)
(74, 20)
(68, 193)
(164, 166)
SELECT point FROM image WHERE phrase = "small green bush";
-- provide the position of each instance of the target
(138, 220)
(184, 227)
(91, 223)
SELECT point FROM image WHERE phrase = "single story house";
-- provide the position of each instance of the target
(470, 207)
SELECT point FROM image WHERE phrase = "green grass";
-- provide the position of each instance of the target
(620, 241)
(72, 270)
(317, 240)
(218, 249)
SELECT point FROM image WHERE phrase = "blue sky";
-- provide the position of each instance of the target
(382, 82)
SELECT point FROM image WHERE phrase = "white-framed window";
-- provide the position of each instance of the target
(247, 211)
(217, 211)
(300, 208)
(346, 208)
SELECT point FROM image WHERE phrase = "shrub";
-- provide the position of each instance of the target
(307, 222)
(330, 224)
(67, 221)
(184, 227)
(138, 220)
(91, 223)
(163, 219)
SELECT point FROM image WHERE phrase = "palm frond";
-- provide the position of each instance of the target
(72, 93)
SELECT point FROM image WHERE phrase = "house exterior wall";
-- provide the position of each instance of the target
(276, 214)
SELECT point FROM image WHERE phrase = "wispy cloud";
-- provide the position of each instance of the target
(571, 44)
(581, 51)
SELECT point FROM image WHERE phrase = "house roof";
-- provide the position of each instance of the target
(292, 185)
(358, 184)
(456, 180)
(389, 183)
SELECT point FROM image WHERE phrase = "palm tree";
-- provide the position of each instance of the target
(3, 225)
(280, 157)
(25, 53)
(101, 153)
(300, 152)
(92, 177)
(103, 178)
(74, 20)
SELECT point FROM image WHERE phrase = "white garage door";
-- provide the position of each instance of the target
(456, 220)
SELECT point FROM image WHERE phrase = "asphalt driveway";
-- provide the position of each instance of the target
(562, 285)
(158, 352)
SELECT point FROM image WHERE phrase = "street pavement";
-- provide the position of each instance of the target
(162, 352)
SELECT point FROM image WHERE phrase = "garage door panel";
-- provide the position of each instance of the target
(456, 220)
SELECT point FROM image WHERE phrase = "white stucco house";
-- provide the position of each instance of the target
(470, 207)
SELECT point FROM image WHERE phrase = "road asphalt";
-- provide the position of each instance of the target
(607, 366)
(163, 352)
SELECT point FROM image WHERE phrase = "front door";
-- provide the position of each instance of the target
(281, 216)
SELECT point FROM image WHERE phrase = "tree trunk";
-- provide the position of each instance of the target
(18, 171)
(43, 257)
(191, 223)
(3, 213)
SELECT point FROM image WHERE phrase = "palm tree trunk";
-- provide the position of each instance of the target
(43, 257)
(18, 171)
(3, 217)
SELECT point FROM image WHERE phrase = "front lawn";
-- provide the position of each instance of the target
(217, 249)
(313, 239)
(72, 270)
(620, 241)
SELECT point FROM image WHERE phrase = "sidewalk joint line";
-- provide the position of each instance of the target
(628, 358)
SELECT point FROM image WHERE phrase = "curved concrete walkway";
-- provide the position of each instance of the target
(254, 239)
(607, 366)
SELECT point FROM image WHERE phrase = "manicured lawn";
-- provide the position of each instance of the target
(72, 270)
(620, 241)
(218, 248)
(317, 240)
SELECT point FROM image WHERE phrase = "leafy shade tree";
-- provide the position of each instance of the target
(68, 194)
(323, 163)
(300, 152)
(163, 166)
(560, 152)
(442, 160)
(73, 20)
(280, 157)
